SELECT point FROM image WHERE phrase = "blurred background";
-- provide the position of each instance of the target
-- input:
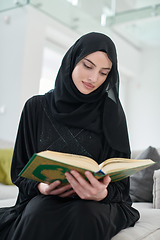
(35, 34)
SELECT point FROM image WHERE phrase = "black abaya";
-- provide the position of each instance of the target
(37, 216)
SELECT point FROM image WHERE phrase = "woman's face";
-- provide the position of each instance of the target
(91, 72)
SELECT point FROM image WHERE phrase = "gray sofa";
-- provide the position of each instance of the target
(148, 226)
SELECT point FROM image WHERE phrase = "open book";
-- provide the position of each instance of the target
(48, 166)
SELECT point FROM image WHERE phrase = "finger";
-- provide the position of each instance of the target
(77, 182)
(93, 181)
(45, 188)
(53, 185)
(60, 190)
(78, 178)
(106, 180)
(69, 194)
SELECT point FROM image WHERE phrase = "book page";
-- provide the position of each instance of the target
(116, 164)
(71, 159)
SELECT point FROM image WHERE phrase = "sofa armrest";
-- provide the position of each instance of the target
(8, 191)
(156, 189)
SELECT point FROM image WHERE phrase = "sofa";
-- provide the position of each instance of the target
(148, 226)
(8, 191)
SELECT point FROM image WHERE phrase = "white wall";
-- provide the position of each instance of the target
(21, 46)
(39, 28)
(12, 43)
(144, 98)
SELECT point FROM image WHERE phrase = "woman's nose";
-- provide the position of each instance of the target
(93, 77)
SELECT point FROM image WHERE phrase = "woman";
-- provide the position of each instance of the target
(82, 115)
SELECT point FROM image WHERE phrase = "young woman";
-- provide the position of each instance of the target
(82, 115)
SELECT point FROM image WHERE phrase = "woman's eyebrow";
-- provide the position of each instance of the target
(94, 64)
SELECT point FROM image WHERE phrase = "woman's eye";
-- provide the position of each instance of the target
(86, 65)
(105, 74)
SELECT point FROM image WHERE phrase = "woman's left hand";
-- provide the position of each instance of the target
(93, 190)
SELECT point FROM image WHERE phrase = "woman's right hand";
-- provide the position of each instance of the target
(51, 189)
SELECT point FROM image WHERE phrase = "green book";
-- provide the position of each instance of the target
(48, 166)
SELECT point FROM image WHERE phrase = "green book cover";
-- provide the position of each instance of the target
(45, 170)
(49, 166)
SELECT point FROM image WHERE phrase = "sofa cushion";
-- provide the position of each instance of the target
(141, 183)
(5, 165)
(8, 191)
(156, 189)
(147, 227)
(7, 202)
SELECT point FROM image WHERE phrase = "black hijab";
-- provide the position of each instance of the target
(99, 111)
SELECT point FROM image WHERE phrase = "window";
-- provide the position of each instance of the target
(52, 57)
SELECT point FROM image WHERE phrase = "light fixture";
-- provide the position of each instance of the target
(73, 2)
(103, 19)
(108, 12)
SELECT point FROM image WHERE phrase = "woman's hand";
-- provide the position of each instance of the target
(51, 189)
(93, 190)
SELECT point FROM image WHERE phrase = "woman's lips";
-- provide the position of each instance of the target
(88, 85)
